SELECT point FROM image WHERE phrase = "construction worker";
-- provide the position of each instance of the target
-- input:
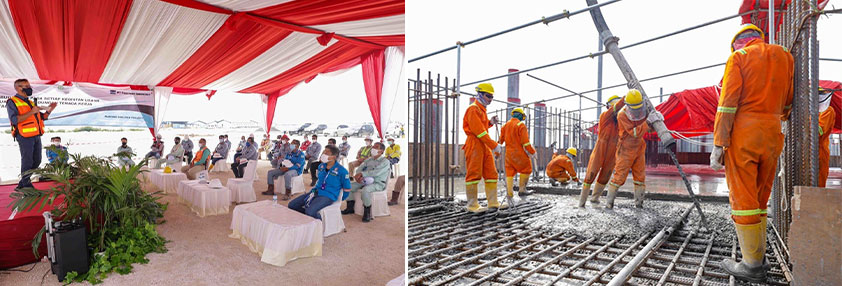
(827, 118)
(478, 148)
(561, 170)
(518, 151)
(756, 95)
(631, 149)
(602, 158)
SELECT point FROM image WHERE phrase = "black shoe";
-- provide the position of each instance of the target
(367, 214)
(391, 203)
(744, 272)
(349, 208)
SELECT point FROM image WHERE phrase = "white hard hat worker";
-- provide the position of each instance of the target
(635, 106)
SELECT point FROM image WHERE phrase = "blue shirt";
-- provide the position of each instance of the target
(52, 156)
(297, 159)
(331, 182)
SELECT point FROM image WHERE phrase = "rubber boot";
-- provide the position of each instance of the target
(751, 267)
(473, 202)
(349, 209)
(270, 191)
(583, 196)
(639, 195)
(491, 195)
(395, 196)
(366, 213)
(510, 186)
(612, 193)
(524, 179)
(597, 192)
(763, 223)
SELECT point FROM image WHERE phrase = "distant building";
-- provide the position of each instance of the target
(198, 125)
(174, 124)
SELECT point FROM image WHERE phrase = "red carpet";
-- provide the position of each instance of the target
(16, 233)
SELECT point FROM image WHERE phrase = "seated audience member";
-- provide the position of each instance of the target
(175, 155)
(264, 147)
(396, 193)
(124, 154)
(157, 148)
(333, 178)
(372, 177)
(292, 165)
(221, 150)
(228, 142)
(282, 148)
(199, 162)
(249, 153)
(55, 152)
(362, 154)
(344, 148)
(312, 157)
(393, 152)
(187, 144)
(240, 147)
(332, 142)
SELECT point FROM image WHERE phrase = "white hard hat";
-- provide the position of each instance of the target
(368, 138)
(251, 135)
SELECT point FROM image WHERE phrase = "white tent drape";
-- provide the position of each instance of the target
(391, 84)
(15, 62)
(264, 104)
(157, 38)
(392, 25)
(162, 99)
(244, 5)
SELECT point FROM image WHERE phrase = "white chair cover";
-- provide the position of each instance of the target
(242, 189)
(221, 166)
(332, 218)
(379, 204)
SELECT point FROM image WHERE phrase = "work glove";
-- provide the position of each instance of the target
(716, 162)
(494, 120)
(498, 150)
(655, 116)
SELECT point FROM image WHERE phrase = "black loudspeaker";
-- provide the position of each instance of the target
(70, 249)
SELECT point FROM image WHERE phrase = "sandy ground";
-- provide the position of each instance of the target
(201, 253)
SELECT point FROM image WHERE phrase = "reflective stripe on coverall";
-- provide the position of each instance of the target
(604, 153)
(561, 169)
(631, 150)
(826, 121)
(516, 137)
(479, 162)
(756, 91)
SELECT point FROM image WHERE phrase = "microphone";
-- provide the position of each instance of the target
(35, 99)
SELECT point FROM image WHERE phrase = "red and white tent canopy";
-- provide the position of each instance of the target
(248, 46)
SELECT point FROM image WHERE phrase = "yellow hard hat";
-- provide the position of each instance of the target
(613, 97)
(743, 28)
(167, 170)
(485, 87)
(518, 110)
(571, 151)
(634, 99)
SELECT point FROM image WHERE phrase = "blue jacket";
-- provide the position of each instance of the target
(297, 159)
(52, 156)
(331, 182)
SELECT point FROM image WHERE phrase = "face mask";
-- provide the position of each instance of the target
(324, 158)
(344, 140)
(314, 140)
(375, 152)
(391, 143)
(201, 145)
(28, 91)
(124, 143)
(483, 100)
(221, 140)
(285, 141)
(56, 143)
(367, 143)
(293, 147)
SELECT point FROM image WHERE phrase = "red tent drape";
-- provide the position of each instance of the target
(373, 66)
(317, 12)
(69, 40)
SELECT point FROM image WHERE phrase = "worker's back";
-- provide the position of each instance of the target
(761, 75)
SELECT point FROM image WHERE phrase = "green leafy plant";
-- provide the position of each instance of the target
(119, 215)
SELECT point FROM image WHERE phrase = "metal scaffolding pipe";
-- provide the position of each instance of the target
(545, 20)
(567, 90)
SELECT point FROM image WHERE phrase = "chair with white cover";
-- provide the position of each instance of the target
(332, 218)
(221, 166)
(242, 189)
(379, 203)
(176, 167)
(297, 184)
(152, 162)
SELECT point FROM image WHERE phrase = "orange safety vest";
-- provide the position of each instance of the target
(32, 126)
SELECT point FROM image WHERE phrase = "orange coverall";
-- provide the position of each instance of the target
(631, 150)
(561, 169)
(756, 95)
(826, 121)
(604, 152)
(478, 146)
(516, 137)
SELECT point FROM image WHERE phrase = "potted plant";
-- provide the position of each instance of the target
(120, 217)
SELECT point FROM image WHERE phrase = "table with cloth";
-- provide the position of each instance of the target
(277, 233)
(202, 199)
(168, 183)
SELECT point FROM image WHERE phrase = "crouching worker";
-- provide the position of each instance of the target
(561, 170)
(291, 166)
(199, 162)
(372, 177)
(333, 178)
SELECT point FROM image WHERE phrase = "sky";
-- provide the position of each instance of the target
(328, 99)
(435, 24)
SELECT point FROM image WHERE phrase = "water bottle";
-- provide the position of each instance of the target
(275, 199)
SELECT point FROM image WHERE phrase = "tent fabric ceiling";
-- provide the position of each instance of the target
(250, 46)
